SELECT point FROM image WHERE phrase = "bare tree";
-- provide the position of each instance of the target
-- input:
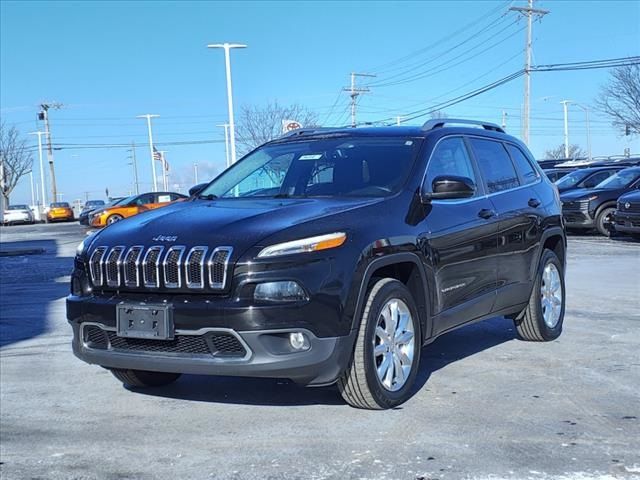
(259, 124)
(620, 99)
(15, 156)
(555, 153)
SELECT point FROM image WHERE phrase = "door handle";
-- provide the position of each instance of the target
(534, 202)
(486, 213)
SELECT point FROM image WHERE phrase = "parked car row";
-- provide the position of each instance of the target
(603, 197)
(23, 214)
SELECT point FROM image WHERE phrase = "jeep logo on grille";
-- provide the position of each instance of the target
(627, 205)
(165, 238)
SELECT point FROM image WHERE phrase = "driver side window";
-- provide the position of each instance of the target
(450, 157)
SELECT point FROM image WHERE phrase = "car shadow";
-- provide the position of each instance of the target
(447, 349)
(29, 273)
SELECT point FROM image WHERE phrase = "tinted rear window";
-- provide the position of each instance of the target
(60, 205)
(523, 165)
(495, 165)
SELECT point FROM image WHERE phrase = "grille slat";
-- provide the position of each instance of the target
(224, 344)
(136, 267)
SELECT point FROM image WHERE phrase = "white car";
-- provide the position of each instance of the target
(17, 214)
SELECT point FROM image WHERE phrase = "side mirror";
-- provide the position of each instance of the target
(449, 187)
(196, 189)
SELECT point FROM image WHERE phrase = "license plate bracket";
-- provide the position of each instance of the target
(145, 321)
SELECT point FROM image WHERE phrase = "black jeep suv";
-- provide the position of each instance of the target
(328, 256)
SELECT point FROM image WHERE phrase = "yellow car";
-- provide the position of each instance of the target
(132, 206)
(60, 212)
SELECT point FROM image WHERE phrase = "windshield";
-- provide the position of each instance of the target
(572, 179)
(94, 203)
(620, 179)
(18, 207)
(123, 201)
(60, 205)
(357, 167)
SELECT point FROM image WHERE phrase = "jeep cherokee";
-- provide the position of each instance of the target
(328, 256)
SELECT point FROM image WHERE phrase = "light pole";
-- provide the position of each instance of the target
(33, 196)
(165, 170)
(226, 141)
(39, 134)
(586, 113)
(195, 172)
(149, 116)
(565, 105)
(227, 47)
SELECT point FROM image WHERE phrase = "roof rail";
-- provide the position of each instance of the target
(441, 122)
(304, 131)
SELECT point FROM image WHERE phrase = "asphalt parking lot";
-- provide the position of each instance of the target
(487, 406)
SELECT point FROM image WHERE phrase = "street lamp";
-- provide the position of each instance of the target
(226, 141)
(586, 113)
(149, 116)
(565, 104)
(227, 47)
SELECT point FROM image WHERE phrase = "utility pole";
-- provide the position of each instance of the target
(195, 173)
(44, 115)
(354, 92)
(42, 179)
(528, 12)
(136, 187)
(227, 62)
(226, 141)
(565, 105)
(149, 116)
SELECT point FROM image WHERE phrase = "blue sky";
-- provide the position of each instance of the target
(110, 61)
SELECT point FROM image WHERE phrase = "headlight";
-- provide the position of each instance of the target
(592, 197)
(84, 243)
(311, 244)
(287, 291)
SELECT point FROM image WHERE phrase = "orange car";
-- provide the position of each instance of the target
(60, 212)
(132, 206)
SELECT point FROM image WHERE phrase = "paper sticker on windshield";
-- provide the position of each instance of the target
(312, 156)
(164, 198)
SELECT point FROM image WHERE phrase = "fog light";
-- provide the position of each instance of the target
(76, 287)
(298, 341)
(279, 292)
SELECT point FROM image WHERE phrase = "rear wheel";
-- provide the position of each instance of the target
(114, 218)
(604, 221)
(542, 320)
(385, 359)
(143, 378)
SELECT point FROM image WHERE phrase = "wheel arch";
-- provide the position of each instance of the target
(555, 240)
(407, 268)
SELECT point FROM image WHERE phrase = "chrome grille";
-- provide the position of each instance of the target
(112, 266)
(194, 267)
(151, 267)
(218, 267)
(131, 266)
(154, 268)
(172, 270)
(95, 265)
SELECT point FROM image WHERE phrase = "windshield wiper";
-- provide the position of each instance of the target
(210, 196)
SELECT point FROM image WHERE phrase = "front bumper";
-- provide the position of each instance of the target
(262, 354)
(17, 219)
(578, 218)
(626, 222)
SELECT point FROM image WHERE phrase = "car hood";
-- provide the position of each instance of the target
(237, 223)
(583, 194)
(631, 197)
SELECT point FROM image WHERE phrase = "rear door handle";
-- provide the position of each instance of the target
(486, 213)
(534, 202)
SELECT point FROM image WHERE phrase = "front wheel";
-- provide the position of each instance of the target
(604, 221)
(143, 378)
(386, 356)
(114, 218)
(542, 320)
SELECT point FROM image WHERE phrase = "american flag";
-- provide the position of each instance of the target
(157, 155)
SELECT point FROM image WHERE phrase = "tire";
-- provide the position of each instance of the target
(360, 385)
(114, 218)
(603, 221)
(531, 324)
(144, 379)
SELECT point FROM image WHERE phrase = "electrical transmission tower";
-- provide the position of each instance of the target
(354, 92)
(43, 115)
(528, 12)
